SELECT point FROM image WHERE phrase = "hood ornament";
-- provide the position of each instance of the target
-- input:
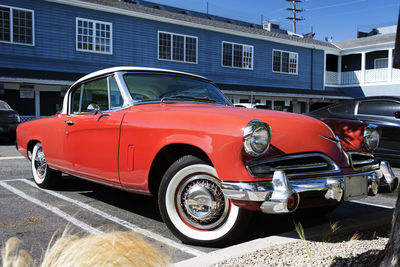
(336, 140)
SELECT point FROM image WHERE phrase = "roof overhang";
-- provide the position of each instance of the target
(132, 13)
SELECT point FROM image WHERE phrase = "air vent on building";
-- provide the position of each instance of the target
(271, 27)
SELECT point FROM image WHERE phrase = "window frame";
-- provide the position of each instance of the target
(77, 19)
(290, 55)
(81, 86)
(251, 47)
(12, 25)
(172, 47)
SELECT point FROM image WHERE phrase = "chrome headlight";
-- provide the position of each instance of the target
(371, 137)
(256, 138)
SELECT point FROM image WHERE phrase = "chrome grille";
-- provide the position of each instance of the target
(362, 161)
(313, 163)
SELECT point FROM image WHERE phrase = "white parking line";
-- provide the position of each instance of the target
(123, 223)
(16, 157)
(55, 210)
(12, 180)
(372, 204)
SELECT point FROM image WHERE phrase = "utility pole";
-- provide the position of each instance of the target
(294, 10)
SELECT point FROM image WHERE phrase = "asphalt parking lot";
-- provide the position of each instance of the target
(35, 215)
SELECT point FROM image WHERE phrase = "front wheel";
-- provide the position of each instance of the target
(194, 207)
(44, 176)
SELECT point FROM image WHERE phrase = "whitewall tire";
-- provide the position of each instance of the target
(194, 208)
(44, 176)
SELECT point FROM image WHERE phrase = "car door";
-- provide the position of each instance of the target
(382, 113)
(92, 129)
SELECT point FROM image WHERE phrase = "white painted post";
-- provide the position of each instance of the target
(37, 102)
(339, 70)
(390, 65)
(362, 68)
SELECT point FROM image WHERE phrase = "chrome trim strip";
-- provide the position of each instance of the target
(301, 166)
(368, 157)
(330, 162)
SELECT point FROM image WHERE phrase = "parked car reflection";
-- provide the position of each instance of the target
(383, 111)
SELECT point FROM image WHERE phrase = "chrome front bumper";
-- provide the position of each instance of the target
(281, 195)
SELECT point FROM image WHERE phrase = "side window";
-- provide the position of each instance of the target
(347, 108)
(95, 92)
(378, 108)
(116, 100)
(103, 93)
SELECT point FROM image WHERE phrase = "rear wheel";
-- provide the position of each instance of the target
(44, 176)
(194, 207)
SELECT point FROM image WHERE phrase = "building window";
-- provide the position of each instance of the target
(93, 36)
(177, 47)
(380, 63)
(237, 55)
(16, 25)
(284, 62)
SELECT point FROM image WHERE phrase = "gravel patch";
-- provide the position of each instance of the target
(342, 250)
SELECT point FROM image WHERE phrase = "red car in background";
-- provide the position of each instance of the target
(175, 136)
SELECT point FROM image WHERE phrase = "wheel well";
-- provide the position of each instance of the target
(29, 147)
(168, 155)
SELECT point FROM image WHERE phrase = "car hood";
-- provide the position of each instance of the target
(291, 133)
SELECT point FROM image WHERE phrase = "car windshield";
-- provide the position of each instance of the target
(4, 106)
(164, 87)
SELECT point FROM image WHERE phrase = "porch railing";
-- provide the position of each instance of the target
(354, 77)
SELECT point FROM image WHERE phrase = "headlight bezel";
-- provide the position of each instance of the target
(372, 137)
(256, 138)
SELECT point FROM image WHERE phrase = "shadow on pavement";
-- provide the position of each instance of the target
(262, 225)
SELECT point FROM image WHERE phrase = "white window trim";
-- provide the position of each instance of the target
(184, 45)
(12, 26)
(94, 43)
(382, 58)
(290, 53)
(243, 46)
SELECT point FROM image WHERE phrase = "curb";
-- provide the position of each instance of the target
(350, 225)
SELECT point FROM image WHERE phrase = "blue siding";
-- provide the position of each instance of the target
(135, 44)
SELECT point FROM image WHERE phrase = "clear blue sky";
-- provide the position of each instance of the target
(338, 19)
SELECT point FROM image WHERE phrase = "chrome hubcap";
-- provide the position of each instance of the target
(40, 163)
(201, 202)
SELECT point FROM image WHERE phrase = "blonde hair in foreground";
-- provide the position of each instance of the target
(110, 249)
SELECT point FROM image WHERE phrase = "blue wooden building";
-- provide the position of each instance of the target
(47, 44)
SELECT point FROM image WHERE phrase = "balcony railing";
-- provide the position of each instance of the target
(370, 76)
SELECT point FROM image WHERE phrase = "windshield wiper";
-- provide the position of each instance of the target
(185, 97)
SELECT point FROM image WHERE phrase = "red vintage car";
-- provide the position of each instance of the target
(174, 135)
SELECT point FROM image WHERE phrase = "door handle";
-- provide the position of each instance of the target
(103, 115)
(69, 122)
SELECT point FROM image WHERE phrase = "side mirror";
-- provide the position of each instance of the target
(93, 109)
(397, 114)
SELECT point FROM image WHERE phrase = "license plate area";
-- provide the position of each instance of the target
(355, 187)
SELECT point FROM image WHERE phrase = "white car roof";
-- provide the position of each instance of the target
(115, 69)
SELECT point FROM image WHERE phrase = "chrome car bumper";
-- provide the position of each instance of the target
(281, 195)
